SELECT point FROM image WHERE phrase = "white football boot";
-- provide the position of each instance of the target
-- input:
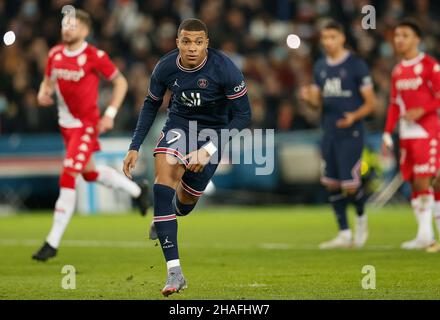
(342, 240)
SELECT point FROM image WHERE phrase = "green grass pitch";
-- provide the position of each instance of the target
(226, 253)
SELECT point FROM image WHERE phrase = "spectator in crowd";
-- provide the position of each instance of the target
(252, 32)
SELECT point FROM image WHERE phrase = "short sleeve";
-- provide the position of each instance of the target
(105, 66)
(157, 89)
(235, 86)
(363, 77)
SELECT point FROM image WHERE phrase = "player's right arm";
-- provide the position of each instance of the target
(45, 92)
(393, 116)
(148, 113)
(312, 93)
(47, 86)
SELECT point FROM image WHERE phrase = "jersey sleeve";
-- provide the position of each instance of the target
(363, 77)
(235, 86)
(157, 87)
(152, 103)
(105, 66)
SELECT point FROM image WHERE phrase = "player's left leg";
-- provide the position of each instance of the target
(422, 153)
(110, 178)
(436, 211)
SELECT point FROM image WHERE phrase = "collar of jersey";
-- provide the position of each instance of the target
(407, 63)
(200, 66)
(341, 60)
(76, 52)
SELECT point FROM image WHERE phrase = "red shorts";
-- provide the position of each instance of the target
(419, 158)
(80, 144)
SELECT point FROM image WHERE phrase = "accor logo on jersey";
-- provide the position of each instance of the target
(68, 75)
(409, 84)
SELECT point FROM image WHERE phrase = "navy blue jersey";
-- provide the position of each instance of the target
(208, 94)
(340, 90)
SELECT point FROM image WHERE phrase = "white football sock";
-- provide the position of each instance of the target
(173, 263)
(437, 215)
(423, 206)
(64, 208)
(109, 177)
(346, 234)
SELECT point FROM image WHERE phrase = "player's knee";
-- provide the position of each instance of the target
(332, 187)
(183, 205)
(436, 184)
(421, 184)
(187, 198)
(90, 176)
(68, 179)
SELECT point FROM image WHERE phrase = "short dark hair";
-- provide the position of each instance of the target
(84, 17)
(332, 24)
(192, 24)
(412, 25)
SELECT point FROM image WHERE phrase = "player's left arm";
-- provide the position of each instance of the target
(105, 67)
(433, 78)
(236, 93)
(241, 118)
(120, 87)
(367, 92)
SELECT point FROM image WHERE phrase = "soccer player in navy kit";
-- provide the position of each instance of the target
(206, 88)
(343, 88)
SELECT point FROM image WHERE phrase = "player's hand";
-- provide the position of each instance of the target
(106, 124)
(387, 144)
(347, 121)
(308, 93)
(197, 160)
(130, 162)
(414, 114)
(44, 97)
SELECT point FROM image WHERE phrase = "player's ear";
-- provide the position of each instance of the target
(177, 43)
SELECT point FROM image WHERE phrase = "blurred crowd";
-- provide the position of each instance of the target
(252, 32)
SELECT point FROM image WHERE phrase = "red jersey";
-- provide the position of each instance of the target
(76, 74)
(415, 83)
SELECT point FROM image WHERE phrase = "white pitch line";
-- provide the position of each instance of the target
(147, 244)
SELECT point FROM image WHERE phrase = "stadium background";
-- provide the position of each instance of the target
(137, 33)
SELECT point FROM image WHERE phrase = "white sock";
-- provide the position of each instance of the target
(423, 206)
(437, 215)
(109, 177)
(64, 208)
(173, 263)
(346, 234)
(362, 219)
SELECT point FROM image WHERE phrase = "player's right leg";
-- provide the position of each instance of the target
(183, 204)
(168, 172)
(64, 208)
(337, 199)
